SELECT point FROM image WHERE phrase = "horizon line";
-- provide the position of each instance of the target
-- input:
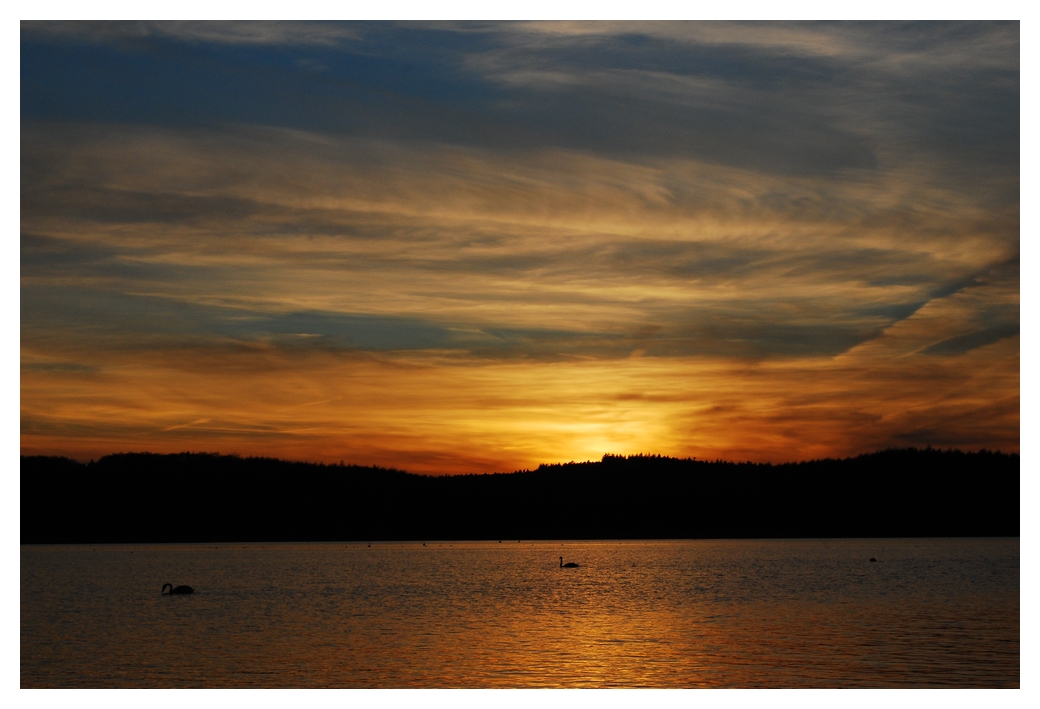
(604, 458)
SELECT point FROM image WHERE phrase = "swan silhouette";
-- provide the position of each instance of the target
(178, 591)
(568, 565)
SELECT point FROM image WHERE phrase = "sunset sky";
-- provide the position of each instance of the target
(480, 247)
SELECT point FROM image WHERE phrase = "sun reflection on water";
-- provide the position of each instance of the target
(796, 613)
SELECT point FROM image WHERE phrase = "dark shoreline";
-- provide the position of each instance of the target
(131, 498)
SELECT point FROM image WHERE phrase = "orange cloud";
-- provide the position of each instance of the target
(432, 412)
(849, 284)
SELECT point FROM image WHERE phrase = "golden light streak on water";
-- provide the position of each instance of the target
(771, 613)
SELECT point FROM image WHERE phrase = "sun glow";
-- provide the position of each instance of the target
(741, 271)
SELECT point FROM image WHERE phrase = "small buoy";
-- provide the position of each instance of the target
(873, 559)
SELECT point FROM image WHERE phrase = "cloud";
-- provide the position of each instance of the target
(494, 245)
(816, 99)
(574, 250)
(786, 97)
(432, 413)
(209, 32)
(972, 340)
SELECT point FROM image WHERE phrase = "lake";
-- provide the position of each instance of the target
(680, 614)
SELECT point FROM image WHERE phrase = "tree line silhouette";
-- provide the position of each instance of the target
(199, 497)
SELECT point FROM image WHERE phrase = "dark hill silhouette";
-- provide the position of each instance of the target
(894, 493)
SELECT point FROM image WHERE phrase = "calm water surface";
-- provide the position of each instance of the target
(774, 613)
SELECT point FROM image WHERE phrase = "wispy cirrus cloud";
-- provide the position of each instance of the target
(769, 240)
(210, 32)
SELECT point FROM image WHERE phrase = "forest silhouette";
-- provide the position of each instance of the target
(199, 497)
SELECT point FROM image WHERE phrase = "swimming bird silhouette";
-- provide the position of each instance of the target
(178, 591)
(568, 565)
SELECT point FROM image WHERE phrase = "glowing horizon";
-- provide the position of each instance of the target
(481, 247)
